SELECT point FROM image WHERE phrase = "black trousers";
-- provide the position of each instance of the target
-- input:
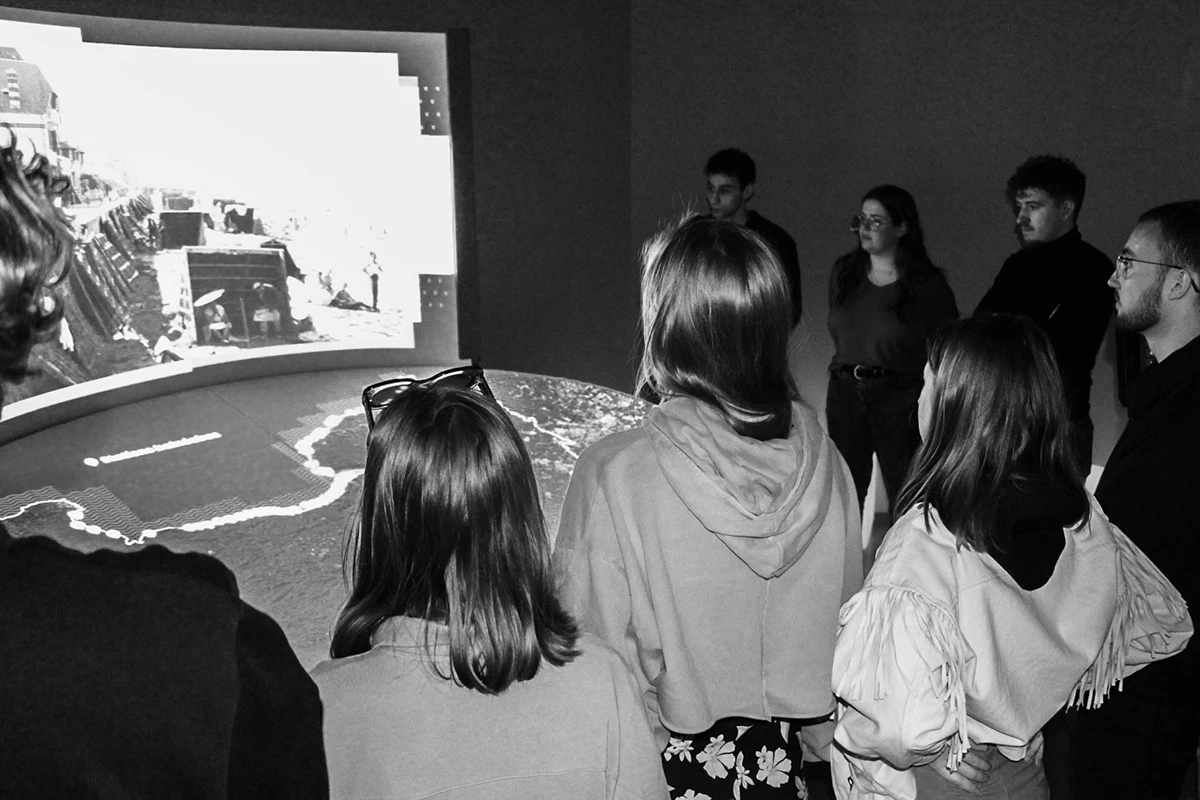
(874, 416)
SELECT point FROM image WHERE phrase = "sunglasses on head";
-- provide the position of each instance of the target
(378, 396)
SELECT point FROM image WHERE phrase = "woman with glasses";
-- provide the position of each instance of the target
(456, 671)
(885, 299)
(1001, 594)
(713, 545)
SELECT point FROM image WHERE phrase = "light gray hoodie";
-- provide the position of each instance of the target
(715, 564)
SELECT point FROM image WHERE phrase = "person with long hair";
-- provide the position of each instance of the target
(886, 298)
(128, 674)
(999, 596)
(713, 545)
(455, 669)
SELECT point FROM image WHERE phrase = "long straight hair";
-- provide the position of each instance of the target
(450, 531)
(997, 402)
(913, 265)
(716, 317)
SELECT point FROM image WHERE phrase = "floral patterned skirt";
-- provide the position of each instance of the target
(743, 759)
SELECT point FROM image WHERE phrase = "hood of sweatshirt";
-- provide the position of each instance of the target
(764, 500)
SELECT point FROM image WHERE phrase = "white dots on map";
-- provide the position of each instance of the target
(175, 444)
(340, 481)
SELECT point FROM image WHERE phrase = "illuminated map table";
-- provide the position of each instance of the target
(264, 474)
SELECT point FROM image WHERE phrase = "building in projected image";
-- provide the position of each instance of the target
(195, 168)
(29, 105)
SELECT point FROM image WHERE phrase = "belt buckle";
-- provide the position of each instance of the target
(857, 376)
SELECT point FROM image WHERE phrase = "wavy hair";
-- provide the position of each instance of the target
(913, 264)
(1058, 177)
(997, 401)
(37, 249)
(450, 531)
(716, 317)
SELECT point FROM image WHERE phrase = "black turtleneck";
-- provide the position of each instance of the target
(1062, 286)
(1153, 473)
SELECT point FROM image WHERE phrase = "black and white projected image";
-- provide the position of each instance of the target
(232, 199)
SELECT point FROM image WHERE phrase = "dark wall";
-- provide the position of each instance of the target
(592, 120)
(550, 98)
(944, 98)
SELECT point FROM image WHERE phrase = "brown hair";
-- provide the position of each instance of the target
(450, 531)
(716, 317)
(997, 398)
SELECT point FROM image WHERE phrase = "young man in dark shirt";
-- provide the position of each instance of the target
(730, 180)
(1057, 280)
(1142, 740)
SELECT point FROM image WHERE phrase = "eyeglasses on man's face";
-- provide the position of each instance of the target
(861, 222)
(1125, 268)
(378, 396)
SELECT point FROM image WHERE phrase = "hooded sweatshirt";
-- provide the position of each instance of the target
(714, 563)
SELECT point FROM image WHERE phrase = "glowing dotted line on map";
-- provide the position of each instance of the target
(75, 515)
(339, 483)
(306, 447)
(125, 455)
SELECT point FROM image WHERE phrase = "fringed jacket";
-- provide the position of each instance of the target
(942, 648)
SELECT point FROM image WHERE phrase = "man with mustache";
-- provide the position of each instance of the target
(1058, 280)
(1140, 742)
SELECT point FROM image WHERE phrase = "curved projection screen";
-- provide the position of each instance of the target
(238, 188)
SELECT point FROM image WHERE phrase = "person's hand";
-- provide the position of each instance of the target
(971, 773)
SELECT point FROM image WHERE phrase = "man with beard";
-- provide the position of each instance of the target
(1057, 280)
(730, 180)
(1142, 740)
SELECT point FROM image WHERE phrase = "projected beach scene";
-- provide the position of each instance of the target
(226, 200)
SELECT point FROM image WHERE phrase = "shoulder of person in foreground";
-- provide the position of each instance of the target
(591, 553)
(634, 764)
(278, 744)
(275, 745)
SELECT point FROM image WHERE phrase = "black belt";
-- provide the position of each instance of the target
(862, 372)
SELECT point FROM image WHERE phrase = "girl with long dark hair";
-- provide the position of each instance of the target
(455, 667)
(1000, 595)
(713, 546)
(885, 299)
